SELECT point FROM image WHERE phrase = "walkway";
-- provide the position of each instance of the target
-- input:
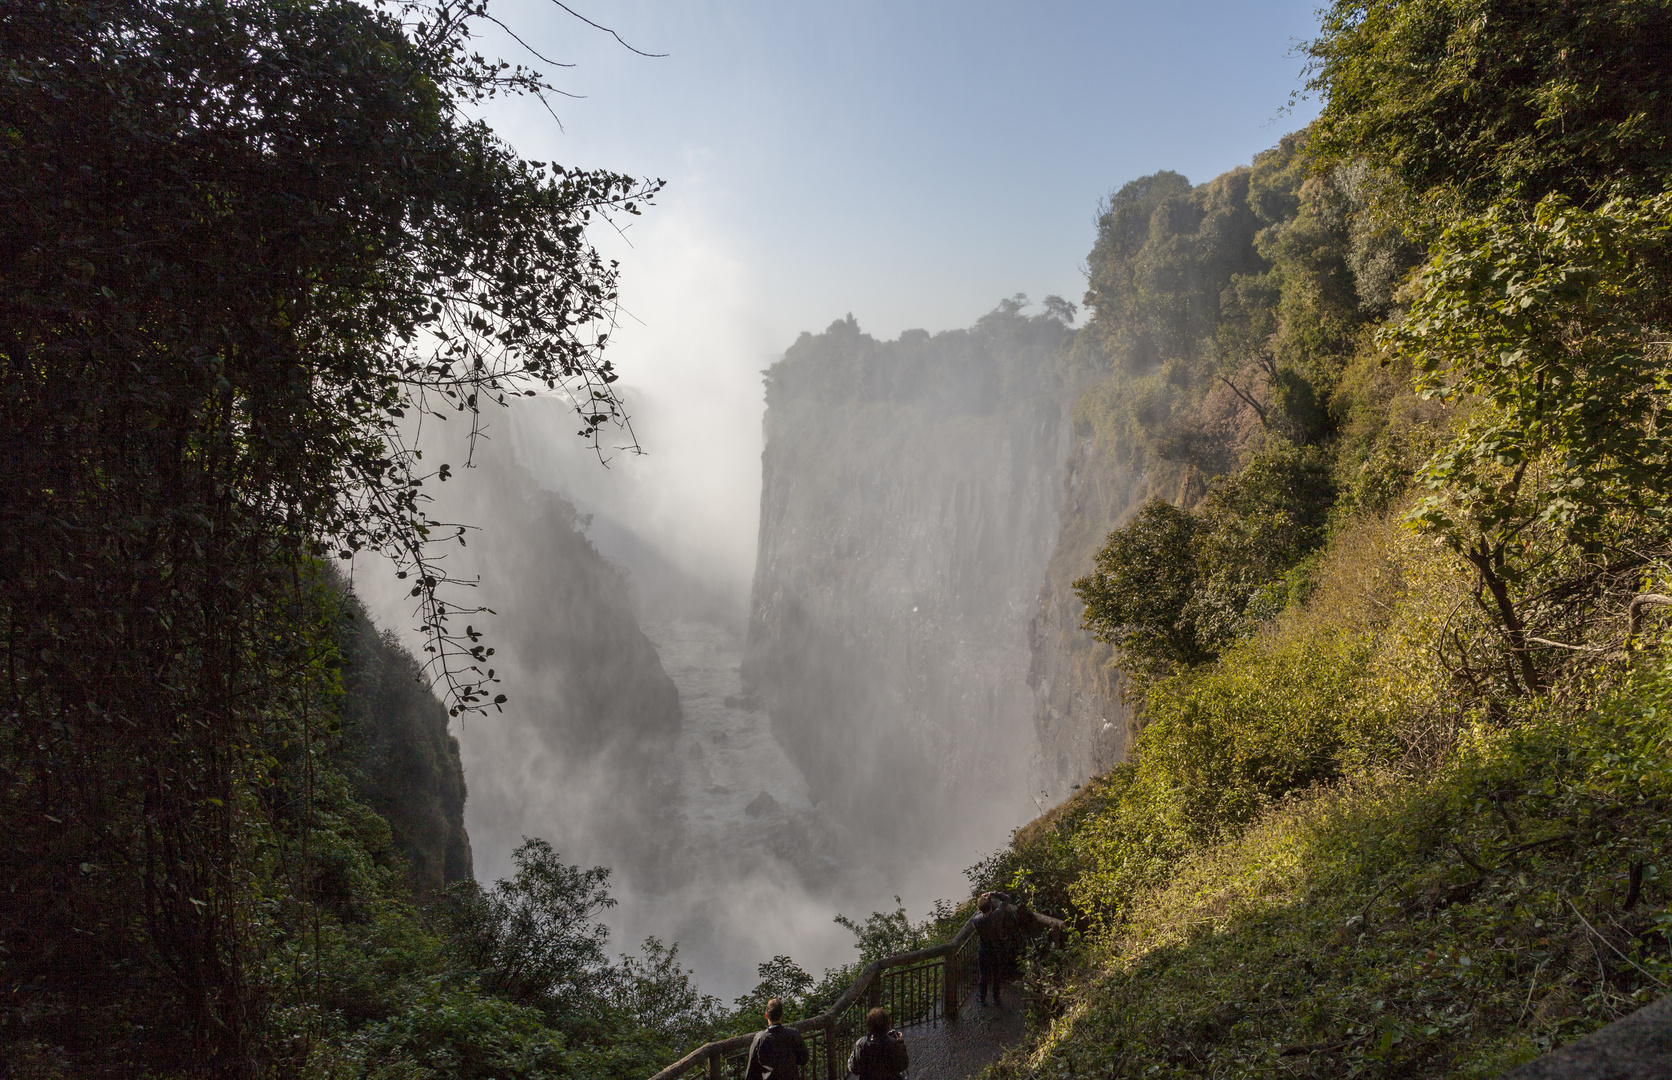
(929, 995)
(942, 1051)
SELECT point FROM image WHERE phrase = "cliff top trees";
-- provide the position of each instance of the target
(242, 241)
(1469, 101)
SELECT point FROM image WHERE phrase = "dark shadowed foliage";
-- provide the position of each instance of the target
(241, 243)
(400, 757)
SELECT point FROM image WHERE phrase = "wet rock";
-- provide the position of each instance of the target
(763, 803)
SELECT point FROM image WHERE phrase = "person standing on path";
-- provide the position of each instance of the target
(881, 1054)
(1013, 920)
(991, 942)
(779, 1052)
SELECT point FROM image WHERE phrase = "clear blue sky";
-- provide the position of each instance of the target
(910, 162)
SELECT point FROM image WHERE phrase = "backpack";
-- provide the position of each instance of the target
(881, 1058)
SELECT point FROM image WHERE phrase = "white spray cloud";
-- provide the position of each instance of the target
(691, 342)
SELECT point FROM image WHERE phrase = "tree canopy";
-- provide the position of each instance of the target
(1469, 101)
(244, 244)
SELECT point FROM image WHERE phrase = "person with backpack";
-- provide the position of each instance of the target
(881, 1054)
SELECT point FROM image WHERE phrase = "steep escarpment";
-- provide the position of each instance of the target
(400, 758)
(908, 509)
(581, 753)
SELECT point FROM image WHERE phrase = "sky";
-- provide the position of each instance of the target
(909, 162)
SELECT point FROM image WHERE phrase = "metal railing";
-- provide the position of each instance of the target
(919, 987)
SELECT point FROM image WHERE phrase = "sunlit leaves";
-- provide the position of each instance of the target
(1554, 326)
(1467, 102)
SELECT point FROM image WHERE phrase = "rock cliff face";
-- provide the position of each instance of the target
(1082, 725)
(909, 506)
(400, 757)
(580, 755)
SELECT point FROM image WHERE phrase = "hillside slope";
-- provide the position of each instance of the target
(1397, 799)
(399, 756)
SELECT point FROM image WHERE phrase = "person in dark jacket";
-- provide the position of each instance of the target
(881, 1054)
(991, 945)
(779, 1052)
(1013, 920)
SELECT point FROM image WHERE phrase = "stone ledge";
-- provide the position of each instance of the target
(1637, 1047)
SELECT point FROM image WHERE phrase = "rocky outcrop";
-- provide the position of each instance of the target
(1638, 1047)
(581, 754)
(909, 504)
(399, 755)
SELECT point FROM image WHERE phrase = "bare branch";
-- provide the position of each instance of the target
(1575, 648)
(1638, 603)
(606, 30)
(1246, 397)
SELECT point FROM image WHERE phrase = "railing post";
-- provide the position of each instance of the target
(950, 979)
(716, 1066)
(830, 1072)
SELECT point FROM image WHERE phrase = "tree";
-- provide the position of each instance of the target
(243, 244)
(535, 939)
(662, 996)
(1138, 595)
(1553, 330)
(1254, 527)
(1173, 587)
(1469, 101)
(782, 978)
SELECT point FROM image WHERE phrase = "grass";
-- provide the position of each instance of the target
(1450, 925)
(1324, 863)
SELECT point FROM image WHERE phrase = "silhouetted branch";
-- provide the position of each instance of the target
(605, 29)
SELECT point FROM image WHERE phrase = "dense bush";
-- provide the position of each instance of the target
(1452, 923)
(1172, 588)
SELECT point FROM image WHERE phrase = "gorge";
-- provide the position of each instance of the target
(901, 689)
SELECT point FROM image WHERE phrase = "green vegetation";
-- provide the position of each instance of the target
(1471, 102)
(1381, 411)
(246, 243)
(1454, 924)
(1398, 803)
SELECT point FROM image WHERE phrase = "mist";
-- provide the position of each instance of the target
(629, 607)
(585, 753)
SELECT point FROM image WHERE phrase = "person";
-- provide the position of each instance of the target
(881, 1054)
(779, 1052)
(1013, 919)
(991, 943)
